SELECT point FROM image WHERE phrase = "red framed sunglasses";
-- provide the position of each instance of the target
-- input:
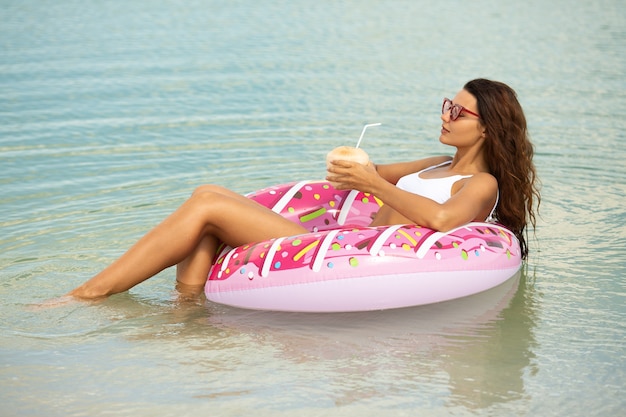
(454, 109)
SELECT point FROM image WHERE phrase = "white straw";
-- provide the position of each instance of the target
(363, 132)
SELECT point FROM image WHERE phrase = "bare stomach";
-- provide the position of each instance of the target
(387, 216)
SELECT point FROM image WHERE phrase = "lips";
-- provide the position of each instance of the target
(444, 130)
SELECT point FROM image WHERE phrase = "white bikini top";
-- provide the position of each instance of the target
(436, 189)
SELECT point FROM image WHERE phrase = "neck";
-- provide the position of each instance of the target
(471, 160)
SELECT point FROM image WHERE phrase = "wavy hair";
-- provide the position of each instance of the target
(509, 153)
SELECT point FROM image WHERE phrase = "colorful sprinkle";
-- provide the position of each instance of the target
(354, 262)
(365, 200)
(316, 196)
(464, 255)
(315, 214)
(363, 244)
(335, 246)
(296, 242)
(406, 235)
(249, 254)
(277, 265)
(406, 246)
(305, 250)
(330, 264)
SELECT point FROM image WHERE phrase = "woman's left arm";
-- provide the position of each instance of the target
(473, 201)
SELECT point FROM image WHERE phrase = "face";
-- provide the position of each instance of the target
(467, 129)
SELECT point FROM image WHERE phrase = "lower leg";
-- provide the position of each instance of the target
(193, 270)
(165, 245)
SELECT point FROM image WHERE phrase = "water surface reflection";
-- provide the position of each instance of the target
(483, 345)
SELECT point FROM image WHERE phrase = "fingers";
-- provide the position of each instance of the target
(340, 169)
(346, 174)
(340, 163)
(336, 178)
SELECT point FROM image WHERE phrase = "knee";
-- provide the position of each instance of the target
(212, 199)
(208, 200)
(208, 188)
(203, 196)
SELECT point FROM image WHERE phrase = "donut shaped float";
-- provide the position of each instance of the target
(343, 265)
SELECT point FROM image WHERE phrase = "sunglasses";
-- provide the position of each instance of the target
(454, 109)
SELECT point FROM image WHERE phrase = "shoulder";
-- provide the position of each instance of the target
(486, 178)
(482, 184)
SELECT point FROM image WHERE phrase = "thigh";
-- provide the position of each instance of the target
(237, 220)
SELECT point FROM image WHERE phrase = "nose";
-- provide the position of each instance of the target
(445, 116)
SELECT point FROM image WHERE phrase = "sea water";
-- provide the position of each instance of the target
(111, 113)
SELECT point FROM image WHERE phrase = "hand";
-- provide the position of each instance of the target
(348, 175)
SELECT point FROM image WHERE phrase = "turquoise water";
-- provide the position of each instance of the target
(112, 112)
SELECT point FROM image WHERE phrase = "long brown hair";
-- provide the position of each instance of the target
(509, 153)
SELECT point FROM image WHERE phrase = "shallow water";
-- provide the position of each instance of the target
(112, 113)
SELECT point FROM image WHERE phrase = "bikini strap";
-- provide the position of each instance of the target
(435, 166)
(449, 161)
(491, 218)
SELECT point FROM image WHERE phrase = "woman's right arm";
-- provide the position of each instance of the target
(393, 172)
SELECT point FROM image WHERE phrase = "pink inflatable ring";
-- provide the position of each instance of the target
(343, 265)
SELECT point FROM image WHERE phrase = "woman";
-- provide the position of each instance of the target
(491, 173)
